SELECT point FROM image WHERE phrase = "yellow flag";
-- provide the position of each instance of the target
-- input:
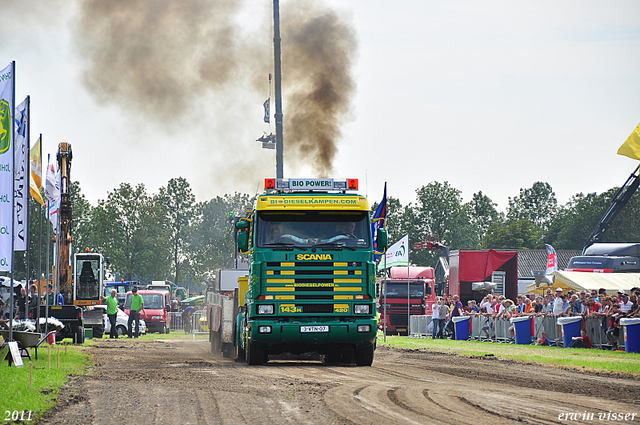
(631, 147)
(35, 163)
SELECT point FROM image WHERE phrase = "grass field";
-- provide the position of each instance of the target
(597, 360)
(28, 404)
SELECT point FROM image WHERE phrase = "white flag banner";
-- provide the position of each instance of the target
(397, 254)
(21, 175)
(52, 192)
(6, 168)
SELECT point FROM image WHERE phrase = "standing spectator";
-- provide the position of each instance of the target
(112, 312)
(137, 305)
(456, 311)
(582, 341)
(537, 307)
(51, 297)
(487, 311)
(434, 317)
(23, 304)
(593, 306)
(34, 301)
(473, 308)
(576, 305)
(528, 306)
(594, 295)
(625, 304)
(614, 331)
(186, 318)
(558, 303)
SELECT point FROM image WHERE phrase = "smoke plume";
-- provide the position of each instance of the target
(164, 59)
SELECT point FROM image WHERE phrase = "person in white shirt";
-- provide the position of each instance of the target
(558, 303)
(625, 304)
(434, 317)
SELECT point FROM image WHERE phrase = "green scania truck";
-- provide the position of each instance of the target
(312, 276)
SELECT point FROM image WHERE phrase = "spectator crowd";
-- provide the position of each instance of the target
(596, 304)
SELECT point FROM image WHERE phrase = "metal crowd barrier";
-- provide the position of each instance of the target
(498, 329)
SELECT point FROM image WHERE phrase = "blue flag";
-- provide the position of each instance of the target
(267, 113)
(379, 220)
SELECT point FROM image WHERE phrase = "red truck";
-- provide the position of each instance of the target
(415, 293)
(475, 273)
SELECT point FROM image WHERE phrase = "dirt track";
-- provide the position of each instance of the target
(181, 382)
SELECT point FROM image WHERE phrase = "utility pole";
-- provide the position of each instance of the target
(278, 87)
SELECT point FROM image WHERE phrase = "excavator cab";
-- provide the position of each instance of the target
(88, 284)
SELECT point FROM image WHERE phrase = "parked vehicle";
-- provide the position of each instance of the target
(416, 294)
(157, 309)
(122, 321)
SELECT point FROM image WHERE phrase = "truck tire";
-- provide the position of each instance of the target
(98, 331)
(364, 356)
(79, 335)
(256, 354)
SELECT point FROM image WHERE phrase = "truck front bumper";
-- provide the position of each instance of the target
(359, 332)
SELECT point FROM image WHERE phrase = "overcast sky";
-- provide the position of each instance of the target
(490, 96)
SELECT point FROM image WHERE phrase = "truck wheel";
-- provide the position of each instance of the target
(121, 330)
(256, 354)
(98, 331)
(364, 356)
(80, 335)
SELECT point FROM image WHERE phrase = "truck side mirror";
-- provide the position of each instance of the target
(382, 240)
(429, 290)
(243, 240)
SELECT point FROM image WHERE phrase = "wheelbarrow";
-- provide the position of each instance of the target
(26, 340)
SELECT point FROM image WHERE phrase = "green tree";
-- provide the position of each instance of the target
(211, 239)
(521, 234)
(483, 214)
(439, 210)
(130, 228)
(178, 201)
(537, 204)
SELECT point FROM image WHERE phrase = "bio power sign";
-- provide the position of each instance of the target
(6, 167)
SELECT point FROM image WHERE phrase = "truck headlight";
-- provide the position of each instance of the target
(265, 309)
(364, 328)
(362, 309)
(264, 329)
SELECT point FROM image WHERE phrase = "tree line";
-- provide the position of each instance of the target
(169, 235)
(532, 219)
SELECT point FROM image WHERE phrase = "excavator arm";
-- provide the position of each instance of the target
(620, 199)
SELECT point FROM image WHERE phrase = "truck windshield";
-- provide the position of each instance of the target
(307, 229)
(399, 289)
(151, 301)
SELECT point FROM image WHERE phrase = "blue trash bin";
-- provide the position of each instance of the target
(461, 324)
(522, 329)
(570, 328)
(631, 334)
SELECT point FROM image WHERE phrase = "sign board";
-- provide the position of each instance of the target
(11, 349)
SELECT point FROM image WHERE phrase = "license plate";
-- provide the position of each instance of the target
(311, 329)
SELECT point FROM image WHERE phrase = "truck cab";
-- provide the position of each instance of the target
(410, 291)
(157, 309)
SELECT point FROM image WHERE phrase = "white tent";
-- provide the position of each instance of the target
(578, 281)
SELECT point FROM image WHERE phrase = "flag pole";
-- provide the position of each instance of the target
(408, 293)
(12, 113)
(384, 327)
